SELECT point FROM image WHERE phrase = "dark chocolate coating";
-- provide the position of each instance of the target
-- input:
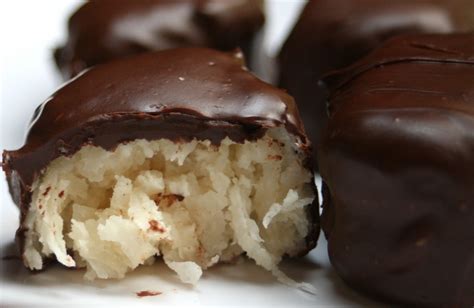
(332, 34)
(103, 30)
(397, 161)
(177, 94)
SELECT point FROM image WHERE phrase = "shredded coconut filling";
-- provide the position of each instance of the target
(193, 203)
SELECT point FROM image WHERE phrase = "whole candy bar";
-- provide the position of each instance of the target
(397, 162)
(103, 30)
(332, 34)
(181, 153)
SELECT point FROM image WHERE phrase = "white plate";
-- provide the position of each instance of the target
(29, 30)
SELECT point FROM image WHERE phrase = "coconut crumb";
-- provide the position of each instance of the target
(188, 272)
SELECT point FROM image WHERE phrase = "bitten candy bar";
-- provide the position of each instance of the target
(180, 153)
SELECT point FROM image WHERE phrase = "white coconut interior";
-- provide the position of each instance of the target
(193, 203)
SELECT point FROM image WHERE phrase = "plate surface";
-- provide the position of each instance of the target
(29, 31)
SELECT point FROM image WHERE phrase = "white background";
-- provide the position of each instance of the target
(29, 30)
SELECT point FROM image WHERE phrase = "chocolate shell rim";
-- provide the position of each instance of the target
(335, 80)
(255, 124)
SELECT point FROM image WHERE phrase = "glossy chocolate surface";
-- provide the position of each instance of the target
(332, 34)
(177, 94)
(397, 161)
(103, 30)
